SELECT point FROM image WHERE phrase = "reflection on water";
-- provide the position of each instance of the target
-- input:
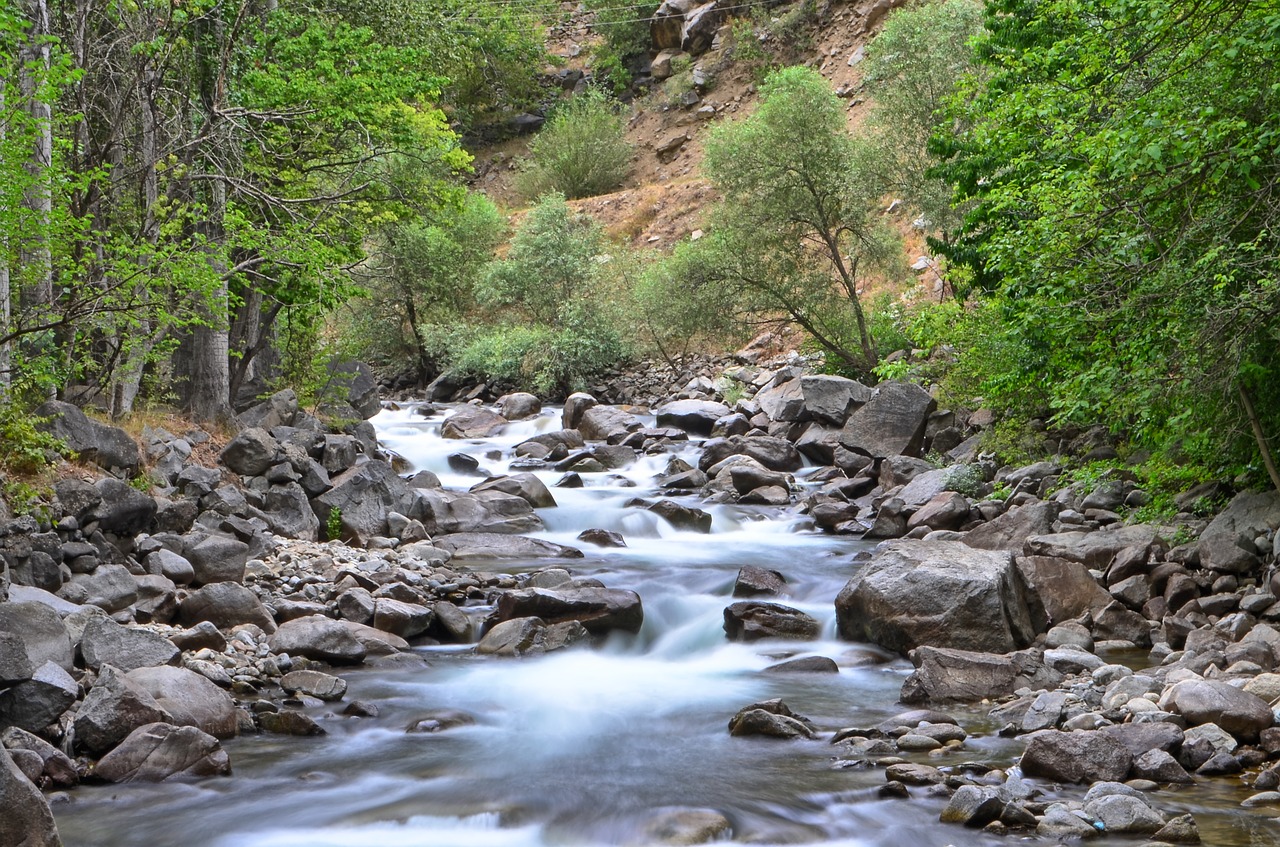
(581, 747)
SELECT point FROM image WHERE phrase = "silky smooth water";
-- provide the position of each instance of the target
(584, 747)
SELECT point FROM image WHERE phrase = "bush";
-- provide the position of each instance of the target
(580, 153)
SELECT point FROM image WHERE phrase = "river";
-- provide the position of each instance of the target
(586, 746)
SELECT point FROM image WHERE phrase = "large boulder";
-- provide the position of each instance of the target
(363, 496)
(35, 703)
(472, 422)
(114, 707)
(599, 610)
(106, 446)
(601, 423)
(1092, 549)
(189, 698)
(1011, 530)
(225, 605)
(776, 454)
(318, 637)
(913, 593)
(530, 636)
(251, 452)
(1202, 701)
(474, 546)
(25, 818)
(526, 486)
(216, 558)
(752, 620)
(1227, 542)
(110, 587)
(280, 409)
(891, 423)
(288, 512)
(832, 399)
(123, 509)
(41, 631)
(964, 676)
(159, 751)
(361, 385)
(696, 416)
(1076, 757)
(1059, 590)
(106, 642)
(444, 512)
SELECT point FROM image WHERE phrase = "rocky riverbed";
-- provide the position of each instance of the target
(741, 576)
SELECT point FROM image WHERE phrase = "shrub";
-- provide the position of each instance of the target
(581, 152)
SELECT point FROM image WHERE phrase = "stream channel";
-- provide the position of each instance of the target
(589, 746)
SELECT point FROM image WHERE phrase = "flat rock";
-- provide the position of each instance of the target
(599, 610)
(1238, 712)
(947, 675)
(891, 423)
(1076, 757)
(752, 620)
(158, 752)
(473, 546)
(25, 817)
(189, 698)
(318, 637)
(105, 641)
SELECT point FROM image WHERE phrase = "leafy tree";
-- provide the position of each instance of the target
(913, 69)
(679, 301)
(1121, 159)
(797, 234)
(581, 152)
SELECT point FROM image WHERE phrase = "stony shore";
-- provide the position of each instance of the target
(139, 629)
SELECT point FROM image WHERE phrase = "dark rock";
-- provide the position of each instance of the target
(106, 446)
(35, 703)
(225, 605)
(772, 719)
(25, 818)
(189, 698)
(776, 454)
(919, 592)
(1076, 757)
(602, 538)
(472, 422)
(682, 517)
(805, 664)
(471, 546)
(891, 423)
(217, 558)
(41, 631)
(251, 452)
(599, 610)
(159, 751)
(751, 621)
(1011, 530)
(696, 416)
(756, 582)
(523, 485)
(1059, 590)
(363, 497)
(114, 708)
(288, 722)
(318, 637)
(1208, 701)
(126, 648)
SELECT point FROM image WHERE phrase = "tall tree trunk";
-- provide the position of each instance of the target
(210, 372)
(6, 308)
(33, 74)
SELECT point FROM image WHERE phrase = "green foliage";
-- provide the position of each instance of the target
(581, 152)
(797, 234)
(624, 24)
(1119, 159)
(912, 69)
(333, 525)
(678, 304)
(967, 480)
(549, 362)
(25, 450)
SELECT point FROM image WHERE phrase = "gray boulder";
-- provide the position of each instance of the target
(472, 422)
(523, 485)
(406, 620)
(963, 676)
(488, 510)
(315, 684)
(530, 636)
(1011, 530)
(1227, 542)
(601, 423)
(170, 565)
(1076, 757)
(126, 648)
(360, 386)
(776, 454)
(15, 665)
(832, 399)
(288, 512)
(107, 446)
(225, 605)
(518, 406)
(476, 546)
(114, 708)
(752, 620)
(364, 496)
(1059, 590)
(599, 610)
(682, 516)
(123, 509)
(25, 817)
(696, 416)
(318, 637)
(1240, 713)
(783, 402)
(891, 423)
(754, 582)
(251, 452)
(217, 558)
(575, 406)
(913, 593)
(35, 703)
(1092, 549)
(159, 751)
(110, 588)
(41, 631)
(189, 698)
(280, 409)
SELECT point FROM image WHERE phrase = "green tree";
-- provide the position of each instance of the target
(1121, 161)
(581, 152)
(797, 234)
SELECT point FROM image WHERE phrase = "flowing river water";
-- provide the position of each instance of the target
(588, 746)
